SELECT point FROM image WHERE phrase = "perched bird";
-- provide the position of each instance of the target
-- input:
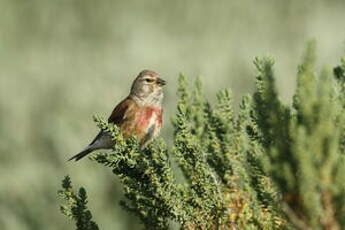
(139, 114)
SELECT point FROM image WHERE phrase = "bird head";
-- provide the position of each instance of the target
(147, 88)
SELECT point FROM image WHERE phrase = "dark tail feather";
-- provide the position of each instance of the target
(81, 154)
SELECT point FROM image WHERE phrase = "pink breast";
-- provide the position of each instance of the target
(149, 116)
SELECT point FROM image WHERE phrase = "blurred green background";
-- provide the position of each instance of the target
(63, 61)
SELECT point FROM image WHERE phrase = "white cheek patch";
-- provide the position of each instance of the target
(146, 88)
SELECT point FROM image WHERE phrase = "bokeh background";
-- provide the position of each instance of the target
(63, 61)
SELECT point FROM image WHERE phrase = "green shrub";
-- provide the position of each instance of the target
(268, 166)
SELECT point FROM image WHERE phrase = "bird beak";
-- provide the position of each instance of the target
(161, 82)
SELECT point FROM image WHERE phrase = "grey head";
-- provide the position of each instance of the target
(147, 89)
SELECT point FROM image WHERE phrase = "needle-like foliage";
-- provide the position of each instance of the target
(268, 166)
(75, 207)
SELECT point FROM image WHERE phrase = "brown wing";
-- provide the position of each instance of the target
(119, 114)
(124, 116)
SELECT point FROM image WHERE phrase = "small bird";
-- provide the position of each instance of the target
(139, 114)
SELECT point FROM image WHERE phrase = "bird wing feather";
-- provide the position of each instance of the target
(118, 115)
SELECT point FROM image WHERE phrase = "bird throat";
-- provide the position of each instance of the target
(152, 100)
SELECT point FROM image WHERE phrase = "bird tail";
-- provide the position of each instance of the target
(101, 141)
(82, 154)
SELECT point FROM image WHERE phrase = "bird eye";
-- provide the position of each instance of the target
(149, 80)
